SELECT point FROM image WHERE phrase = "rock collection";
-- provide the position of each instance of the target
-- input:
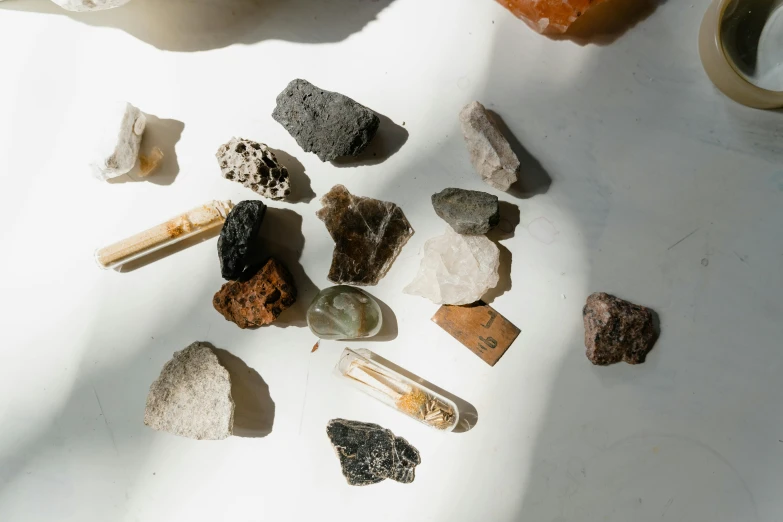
(344, 312)
(456, 269)
(238, 243)
(368, 236)
(616, 330)
(370, 454)
(259, 300)
(467, 211)
(118, 149)
(490, 152)
(192, 396)
(327, 123)
(254, 166)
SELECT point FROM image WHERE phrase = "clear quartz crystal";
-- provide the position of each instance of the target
(367, 372)
(344, 312)
(456, 269)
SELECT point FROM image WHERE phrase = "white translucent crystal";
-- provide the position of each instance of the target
(490, 152)
(118, 146)
(456, 269)
(89, 5)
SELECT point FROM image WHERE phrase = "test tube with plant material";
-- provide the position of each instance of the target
(363, 370)
(193, 222)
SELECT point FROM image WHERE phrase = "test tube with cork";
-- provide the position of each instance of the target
(196, 221)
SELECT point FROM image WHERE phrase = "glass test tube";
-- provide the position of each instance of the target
(415, 400)
(193, 222)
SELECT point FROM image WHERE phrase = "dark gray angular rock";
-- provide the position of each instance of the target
(255, 166)
(370, 454)
(327, 123)
(238, 243)
(468, 212)
(616, 330)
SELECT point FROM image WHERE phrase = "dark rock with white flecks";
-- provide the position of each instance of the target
(370, 454)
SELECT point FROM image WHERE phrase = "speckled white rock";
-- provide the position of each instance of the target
(192, 396)
(456, 269)
(89, 5)
(118, 147)
(490, 152)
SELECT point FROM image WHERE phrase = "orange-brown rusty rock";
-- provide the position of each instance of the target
(260, 300)
(549, 16)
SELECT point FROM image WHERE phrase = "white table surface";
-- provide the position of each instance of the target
(641, 152)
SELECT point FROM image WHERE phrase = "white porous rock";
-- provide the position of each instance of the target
(118, 147)
(255, 166)
(490, 152)
(89, 5)
(192, 396)
(456, 269)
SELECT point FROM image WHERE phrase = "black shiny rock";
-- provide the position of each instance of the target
(239, 243)
(369, 453)
(327, 123)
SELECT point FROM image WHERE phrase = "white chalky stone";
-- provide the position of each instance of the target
(490, 152)
(118, 147)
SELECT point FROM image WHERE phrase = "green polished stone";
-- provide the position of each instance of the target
(344, 312)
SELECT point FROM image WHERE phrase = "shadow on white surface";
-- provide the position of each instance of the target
(254, 409)
(199, 25)
(282, 238)
(301, 189)
(533, 178)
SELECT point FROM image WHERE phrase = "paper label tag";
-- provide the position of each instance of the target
(479, 327)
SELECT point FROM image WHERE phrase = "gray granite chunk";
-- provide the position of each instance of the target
(192, 396)
(327, 123)
(370, 454)
(468, 212)
(616, 330)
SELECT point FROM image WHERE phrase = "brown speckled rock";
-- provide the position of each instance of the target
(616, 330)
(259, 300)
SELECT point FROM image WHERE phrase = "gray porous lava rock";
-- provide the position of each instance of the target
(192, 396)
(255, 166)
(468, 212)
(239, 244)
(327, 123)
(616, 330)
(370, 454)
